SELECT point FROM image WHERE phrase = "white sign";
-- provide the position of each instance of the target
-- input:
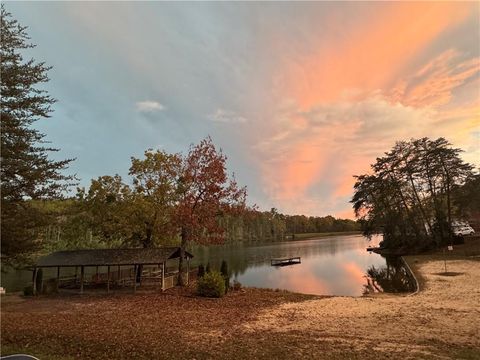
(2, 291)
(450, 247)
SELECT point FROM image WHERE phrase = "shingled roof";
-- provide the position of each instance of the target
(105, 257)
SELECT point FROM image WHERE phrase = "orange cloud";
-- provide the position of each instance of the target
(372, 56)
(344, 109)
(435, 82)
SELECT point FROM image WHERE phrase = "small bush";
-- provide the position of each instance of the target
(28, 290)
(212, 284)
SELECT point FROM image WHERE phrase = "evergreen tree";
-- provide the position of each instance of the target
(27, 173)
(226, 276)
(201, 271)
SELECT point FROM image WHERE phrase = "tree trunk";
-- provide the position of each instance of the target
(422, 210)
(183, 244)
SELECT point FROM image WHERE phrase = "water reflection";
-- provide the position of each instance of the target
(337, 265)
(330, 266)
(391, 278)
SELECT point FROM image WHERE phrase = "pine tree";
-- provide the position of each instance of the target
(27, 174)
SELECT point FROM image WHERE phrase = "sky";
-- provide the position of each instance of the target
(300, 96)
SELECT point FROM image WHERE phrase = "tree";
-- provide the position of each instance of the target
(155, 180)
(27, 173)
(410, 195)
(205, 193)
(140, 214)
(107, 204)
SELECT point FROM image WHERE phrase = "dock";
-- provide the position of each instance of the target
(285, 261)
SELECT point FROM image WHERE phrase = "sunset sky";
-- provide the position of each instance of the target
(300, 96)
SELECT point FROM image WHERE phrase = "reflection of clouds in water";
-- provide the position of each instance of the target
(330, 266)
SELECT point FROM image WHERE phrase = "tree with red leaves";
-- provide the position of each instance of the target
(205, 193)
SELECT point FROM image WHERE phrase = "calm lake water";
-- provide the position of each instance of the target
(336, 265)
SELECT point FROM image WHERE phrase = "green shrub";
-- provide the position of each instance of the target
(212, 284)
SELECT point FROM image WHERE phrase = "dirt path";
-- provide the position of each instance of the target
(440, 322)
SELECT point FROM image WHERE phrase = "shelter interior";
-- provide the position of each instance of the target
(109, 268)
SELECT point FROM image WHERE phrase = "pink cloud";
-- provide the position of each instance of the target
(343, 112)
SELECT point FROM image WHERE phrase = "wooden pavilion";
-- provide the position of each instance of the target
(124, 266)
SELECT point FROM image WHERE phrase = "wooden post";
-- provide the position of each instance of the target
(82, 275)
(108, 278)
(118, 275)
(134, 279)
(58, 277)
(188, 270)
(158, 269)
(34, 279)
(163, 276)
(76, 272)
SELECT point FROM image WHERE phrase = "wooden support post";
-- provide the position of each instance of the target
(82, 275)
(158, 269)
(58, 277)
(34, 280)
(163, 276)
(76, 272)
(108, 278)
(188, 270)
(134, 279)
(118, 274)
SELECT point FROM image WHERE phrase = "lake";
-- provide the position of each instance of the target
(334, 265)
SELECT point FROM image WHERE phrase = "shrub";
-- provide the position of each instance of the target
(207, 270)
(212, 284)
(201, 271)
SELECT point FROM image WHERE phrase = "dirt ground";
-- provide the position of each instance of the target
(442, 321)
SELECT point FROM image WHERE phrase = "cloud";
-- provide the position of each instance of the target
(434, 83)
(149, 106)
(341, 138)
(226, 116)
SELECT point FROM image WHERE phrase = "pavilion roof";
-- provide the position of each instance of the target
(105, 257)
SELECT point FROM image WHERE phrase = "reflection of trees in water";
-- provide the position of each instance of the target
(240, 257)
(392, 278)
